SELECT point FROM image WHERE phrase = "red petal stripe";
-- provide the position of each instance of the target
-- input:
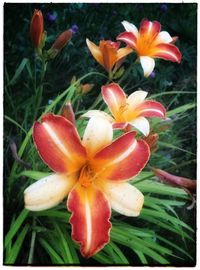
(129, 38)
(168, 52)
(114, 97)
(149, 28)
(151, 108)
(90, 219)
(58, 144)
(123, 159)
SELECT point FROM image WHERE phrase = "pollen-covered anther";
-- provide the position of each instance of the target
(86, 176)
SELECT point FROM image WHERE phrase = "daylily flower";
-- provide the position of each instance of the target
(107, 53)
(37, 28)
(92, 172)
(130, 110)
(149, 43)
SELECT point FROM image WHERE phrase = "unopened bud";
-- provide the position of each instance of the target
(37, 28)
(68, 113)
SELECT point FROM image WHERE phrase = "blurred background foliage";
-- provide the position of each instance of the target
(96, 21)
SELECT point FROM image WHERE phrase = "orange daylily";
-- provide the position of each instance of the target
(149, 43)
(93, 172)
(130, 110)
(37, 28)
(108, 53)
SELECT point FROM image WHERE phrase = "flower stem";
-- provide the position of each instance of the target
(32, 246)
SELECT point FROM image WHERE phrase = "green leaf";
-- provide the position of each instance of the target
(161, 189)
(36, 175)
(15, 123)
(66, 254)
(18, 71)
(181, 109)
(15, 226)
(52, 253)
(12, 256)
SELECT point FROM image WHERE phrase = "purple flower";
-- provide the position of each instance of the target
(153, 75)
(74, 28)
(51, 16)
(163, 7)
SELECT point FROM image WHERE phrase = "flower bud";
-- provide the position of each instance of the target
(68, 113)
(62, 40)
(87, 87)
(174, 180)
(37, 28)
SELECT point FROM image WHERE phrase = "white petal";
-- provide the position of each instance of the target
(129, 27)
(164, 37)
(48, 191)
(148, 65)
(98, 113)
(98, 134)
(142, 124)
(136, 98)
(124, 198)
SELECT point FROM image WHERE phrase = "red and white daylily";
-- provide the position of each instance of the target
(131, 110)
(149, 43)
(93, 172)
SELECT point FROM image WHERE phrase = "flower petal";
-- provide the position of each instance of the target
(142, 124)
(48, 191)
(121, 53)
(129, 38)
(114, 97)
(109, 52)
(149, 28)
(148, 65)
(136, 98)
(168, 52)
(98, 113)
(90, 218)
(151, 108)
(129, 27)
(123, 159)
(58, 144)
(119, 125)
(95, 51)
(163, 37)
(124, 198)
(98, 134)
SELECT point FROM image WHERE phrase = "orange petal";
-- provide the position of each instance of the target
(168, 52)
(129, 38)
(151, 108)
(121, 53)
(149, 28)
(109, 52)
(90, 219)
(58, 144)
(95, 51)
(114, 97)
(123, 159)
